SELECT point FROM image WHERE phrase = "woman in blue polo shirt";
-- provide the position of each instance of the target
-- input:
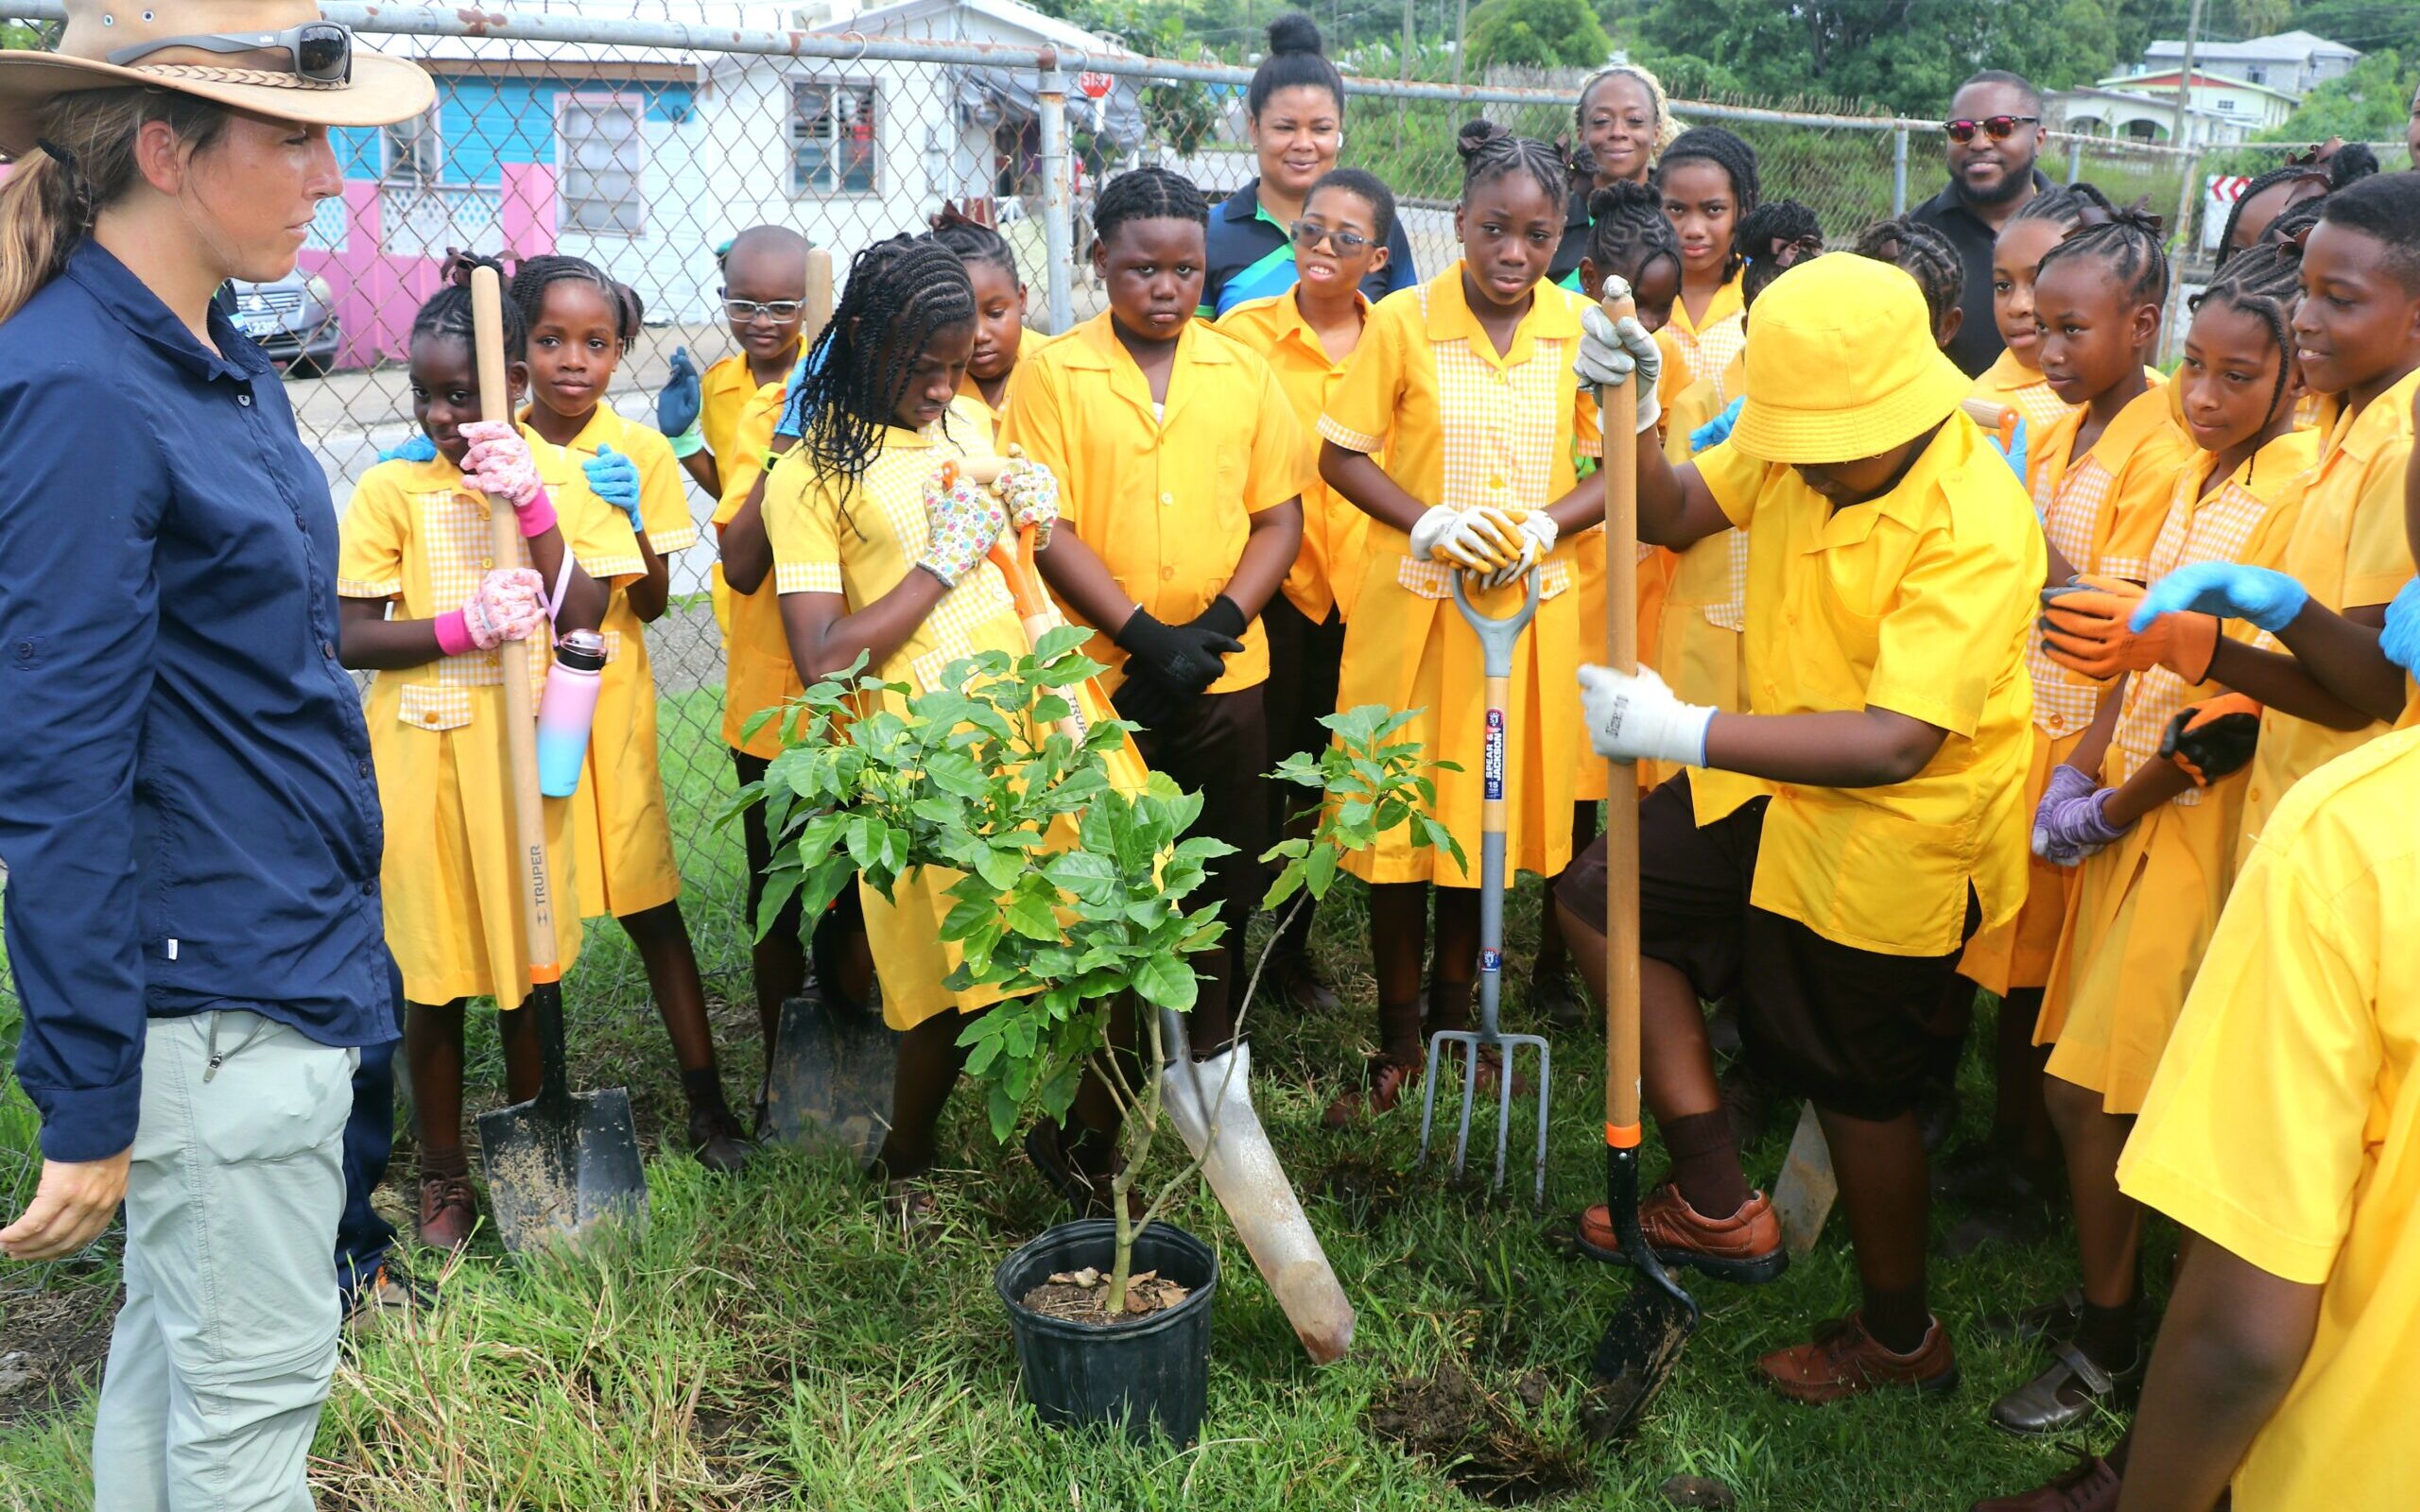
(188, 810)
(1295, 107)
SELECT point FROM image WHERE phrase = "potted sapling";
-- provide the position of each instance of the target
(1071, 897)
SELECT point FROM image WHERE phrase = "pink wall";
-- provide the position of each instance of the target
(377, 294)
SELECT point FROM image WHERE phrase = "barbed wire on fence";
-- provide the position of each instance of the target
(644, 146)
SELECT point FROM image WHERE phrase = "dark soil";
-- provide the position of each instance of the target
(1697, 1491)
(1366, 1189)
(51, 1346)
(1082, 1297)
(1476, 1437)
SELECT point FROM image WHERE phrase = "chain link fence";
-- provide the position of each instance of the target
(644, 146)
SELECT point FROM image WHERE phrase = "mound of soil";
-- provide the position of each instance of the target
(1082, 1297)
(51, 1345)
(1475, 1438)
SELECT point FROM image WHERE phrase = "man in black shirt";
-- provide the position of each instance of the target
(1993, 130)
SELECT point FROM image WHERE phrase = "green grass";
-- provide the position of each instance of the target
(767, 1342)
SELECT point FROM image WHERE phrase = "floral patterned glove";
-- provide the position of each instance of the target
(961, 520)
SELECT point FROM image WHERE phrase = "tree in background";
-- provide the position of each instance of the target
(1538, 34)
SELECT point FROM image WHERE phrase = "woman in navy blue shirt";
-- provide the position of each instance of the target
(1295, 108)
(188, 810)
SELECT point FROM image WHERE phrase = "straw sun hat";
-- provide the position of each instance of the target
(1841, 365)
(273, 58)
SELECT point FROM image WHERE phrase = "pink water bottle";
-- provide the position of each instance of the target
(568, 710)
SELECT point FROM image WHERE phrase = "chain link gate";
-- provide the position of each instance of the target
(644, 146)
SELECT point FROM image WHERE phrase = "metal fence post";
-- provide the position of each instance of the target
(1899, 171)
(1058, 229)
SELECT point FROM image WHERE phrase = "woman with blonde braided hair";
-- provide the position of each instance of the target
(1623, 125)
(192, 830)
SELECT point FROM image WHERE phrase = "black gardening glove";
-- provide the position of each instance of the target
(2214, 738)
(1146, 700)
(1187, 658)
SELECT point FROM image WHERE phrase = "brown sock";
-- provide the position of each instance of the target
(1399, 1033)
(1898, 1318)
(2109, 1335)
(1449, 1006)
(435, 1163)
(1705, 1162)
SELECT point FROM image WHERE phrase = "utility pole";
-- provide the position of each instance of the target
(2190, 169)
(2185, 79)
(1462, 35)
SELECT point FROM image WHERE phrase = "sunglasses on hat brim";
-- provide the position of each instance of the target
(1999, 127)
(321, 51)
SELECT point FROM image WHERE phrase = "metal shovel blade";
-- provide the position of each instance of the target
(830, 1077)
(561, 1161)
(1642, 1341)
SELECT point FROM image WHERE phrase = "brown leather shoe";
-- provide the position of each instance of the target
(2090, 1486)
(448, 1212)
(1744, 1247)
(1389, 1080)
(1844, 1361)
(1300, 982)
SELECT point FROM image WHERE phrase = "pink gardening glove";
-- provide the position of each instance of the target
(1031, 491)
(499, 465)
(509, 606)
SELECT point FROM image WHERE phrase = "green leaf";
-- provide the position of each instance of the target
(1165, 983)
(1284, 886)
(1319, 870)
(1032, 916)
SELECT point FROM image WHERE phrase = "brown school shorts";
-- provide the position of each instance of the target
(1842, 1028)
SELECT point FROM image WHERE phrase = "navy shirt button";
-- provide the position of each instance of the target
(363, 767)
(328, 650)
(245, 400)
(368, 888)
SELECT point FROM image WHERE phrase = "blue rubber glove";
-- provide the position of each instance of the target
(2229, 590)
(683, 397)
(416, 448)
(614, 478)
(789, 424)
(2400, 640)
(2016, 453)
(1717, 430)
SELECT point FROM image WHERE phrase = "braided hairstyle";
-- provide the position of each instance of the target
(1628, 229)
(1148, 194)
(1665, 128)
(536, 275)
(1491, 152)
(446, 315)
(2293, 224)
(2129, 245)
(1775, 238)
(901, 292)
(2263, 281)
(973, 242)
(1924, 254)
(2068, 206)
(633, 316)
(1737, 160)
(2294, 175)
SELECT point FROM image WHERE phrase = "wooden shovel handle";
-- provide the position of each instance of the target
(520, 719)
(1619, 407)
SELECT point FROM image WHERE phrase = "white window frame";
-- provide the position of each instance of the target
(597, 104)
(429, 144)
(831, 185)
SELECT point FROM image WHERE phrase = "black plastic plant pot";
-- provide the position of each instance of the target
(1148, 1377)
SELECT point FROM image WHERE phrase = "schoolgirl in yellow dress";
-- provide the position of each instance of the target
(1708, 180)
(424, 607)
(619, 487)
(1466, 383)
(876, 555)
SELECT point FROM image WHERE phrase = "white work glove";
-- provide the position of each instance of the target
(1479, 541)
(1634, 717)
(1534, 535)
(1612, 351)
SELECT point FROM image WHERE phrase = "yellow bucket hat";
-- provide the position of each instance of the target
(1841, 365)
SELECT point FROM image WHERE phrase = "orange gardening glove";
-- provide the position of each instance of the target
(2214, 738)
(2083, 630)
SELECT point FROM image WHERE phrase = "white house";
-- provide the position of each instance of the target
(2143, 106)
(2296, 62)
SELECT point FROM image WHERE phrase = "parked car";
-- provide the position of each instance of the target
(294, 319)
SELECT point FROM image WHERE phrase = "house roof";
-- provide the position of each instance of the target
(2165, 78)
(947, 20)
(2288, 47)
(2087, 93)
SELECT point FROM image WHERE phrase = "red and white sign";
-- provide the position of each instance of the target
(1094, 86)
(2220, 192)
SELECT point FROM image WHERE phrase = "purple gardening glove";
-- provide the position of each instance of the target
(2071, 822)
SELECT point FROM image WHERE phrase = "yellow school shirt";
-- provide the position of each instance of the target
(2285, 1121)
(416, 538)
(1920, 602)
(2011, 384)
(1165, 501)
(723, 391)
(2348, 551)
(1461, 424)
(1706, 347)
(619, 822)
(2144, 906)
(861, 542)
(756, 673)
(1326, 571)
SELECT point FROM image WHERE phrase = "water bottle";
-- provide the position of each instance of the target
(568, 710)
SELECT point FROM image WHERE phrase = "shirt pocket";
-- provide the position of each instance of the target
(433, 706)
